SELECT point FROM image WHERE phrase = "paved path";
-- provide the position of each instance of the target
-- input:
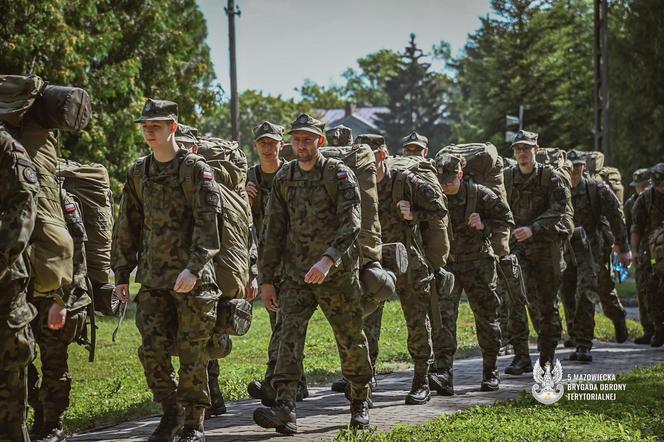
(325, 412)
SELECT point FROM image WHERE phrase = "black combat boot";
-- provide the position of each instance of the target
(490, 379)
(520, 364)
(546, 356)
(191, 433)
(645, 339)
(171, 422)
(569, 343)
(302, 391)
(263, 391)
(419, 393)
(339, 385)
(280, 417)
(657, 339)
(218, 405)
(359, 414)
(620, 327)
(442, 381)
(52, 432)
(582, 354)
(38, 421)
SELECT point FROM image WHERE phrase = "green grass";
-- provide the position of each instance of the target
(113, 388)
(635, 415)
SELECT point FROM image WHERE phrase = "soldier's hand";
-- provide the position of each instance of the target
(522, 233)
(122, 292)
(252, 289)
(318, 272)
(57, 315)
(475, 221)
(269, 297)
(185, 282)
(404, 206)
(252, 191)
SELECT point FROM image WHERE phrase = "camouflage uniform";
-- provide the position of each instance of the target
(474, 266)
(163, 231)
(539, 201)
(319, 227)
(643, 270)
(648, 213)
(594, 206)
(413, 287)
(48, 393)
(17, 220)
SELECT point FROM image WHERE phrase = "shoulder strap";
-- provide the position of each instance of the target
(186, 174)
(330, 166)
(509, 182)
(254, 174)
(471, 198)
(140, 170)
(400, 178)
(593, 196)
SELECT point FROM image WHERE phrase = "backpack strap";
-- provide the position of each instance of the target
(593, 197)
(138, 172)
(471, 198)
(509, 182)
(186, 174)
(330, 166)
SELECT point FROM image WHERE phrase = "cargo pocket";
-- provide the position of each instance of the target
(18, 347)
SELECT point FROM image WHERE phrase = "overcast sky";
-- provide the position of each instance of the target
(280, 43)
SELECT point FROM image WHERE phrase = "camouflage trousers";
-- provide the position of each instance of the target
(48, 392)
(542, 266)
(656, 300)
(179, 324)
(273, 348)
(339, 300)
(513, 315)
(606, 287)
(643, 276)
(578, 291)
(17, 349)
(478, 279)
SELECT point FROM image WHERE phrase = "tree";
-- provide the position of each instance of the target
(321, 97)
(366, 86)
(417, 100)
(121, 52)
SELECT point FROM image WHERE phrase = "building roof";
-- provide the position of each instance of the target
(360, 119)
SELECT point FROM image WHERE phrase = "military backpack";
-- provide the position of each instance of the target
(610, 175)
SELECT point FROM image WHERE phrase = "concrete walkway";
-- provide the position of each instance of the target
(325, 413)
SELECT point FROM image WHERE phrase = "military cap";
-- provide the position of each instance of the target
(269, 130)
(158, 110)
(657, 174)
(639, 176)
(576, 157)
(416, 139)
(307, 123)
(448, 166)
(186, 134)
(525, 137)
(374, 141)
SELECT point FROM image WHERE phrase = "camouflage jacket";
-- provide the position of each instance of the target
(160, 230)
(18, 208)
(595, 204)
(468, 243)
(538, 201)
(304, 223)
(648, 212)
(427, 202)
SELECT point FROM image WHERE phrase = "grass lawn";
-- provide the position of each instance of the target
(113, 388)
(635, 415)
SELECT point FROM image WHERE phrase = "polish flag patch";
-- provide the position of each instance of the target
(69, 208)
(207, 175)
(342, 175)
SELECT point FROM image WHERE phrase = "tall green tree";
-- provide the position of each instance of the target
(321, 97)
(121, 52)
(366, 86)
(418, 98)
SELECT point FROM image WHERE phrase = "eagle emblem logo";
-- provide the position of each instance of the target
(548, 388)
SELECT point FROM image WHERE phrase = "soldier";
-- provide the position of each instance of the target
(414, 144)
(538, 198)
(170, 199)
(594, 204)
(268, 142)
(642, 271)
(474, 211)
(18, 199)
(314, 234)
(185, 136)
(647, 219)
(399, 221)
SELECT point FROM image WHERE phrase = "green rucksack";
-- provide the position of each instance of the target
(610, 175)
(360, 159)
(484, 166)
(228, 161)
(434, 232)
